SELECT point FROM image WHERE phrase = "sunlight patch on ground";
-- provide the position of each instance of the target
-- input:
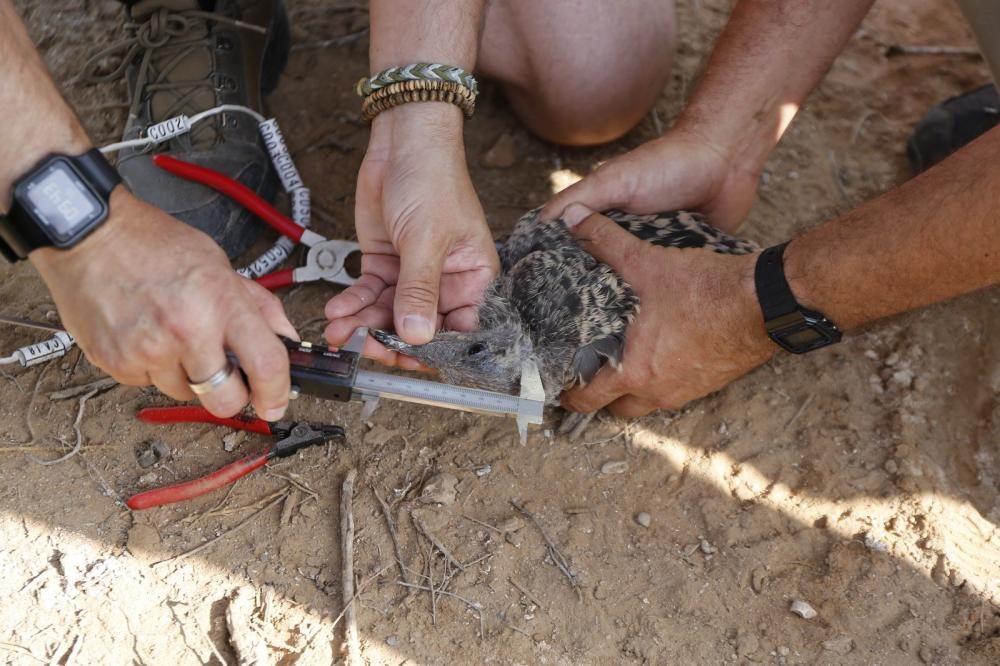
(560, 179)
(957, 545)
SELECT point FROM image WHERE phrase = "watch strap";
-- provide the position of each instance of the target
(775, 296)
(104, 177)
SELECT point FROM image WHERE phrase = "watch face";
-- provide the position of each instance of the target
(61, 202)
(802, 331)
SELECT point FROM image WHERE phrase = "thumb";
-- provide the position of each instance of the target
(416, 304)
(602, 238)
(601, 190)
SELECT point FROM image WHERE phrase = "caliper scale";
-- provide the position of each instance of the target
(334, 374)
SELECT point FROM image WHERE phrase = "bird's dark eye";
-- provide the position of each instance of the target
(477, 348)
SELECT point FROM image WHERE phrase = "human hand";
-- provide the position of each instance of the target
(428, 253)
(700, 326)
(153, 301)
(682, 170)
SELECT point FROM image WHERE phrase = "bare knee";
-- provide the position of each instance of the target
(580, 73)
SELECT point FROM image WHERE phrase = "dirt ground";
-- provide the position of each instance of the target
(863, 479)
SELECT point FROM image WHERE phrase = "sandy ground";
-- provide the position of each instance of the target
(863, 479)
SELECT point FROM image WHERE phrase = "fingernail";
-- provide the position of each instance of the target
(416, 329)
(275, 414)
(575, 213)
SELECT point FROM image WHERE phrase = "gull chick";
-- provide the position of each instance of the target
(553, 301)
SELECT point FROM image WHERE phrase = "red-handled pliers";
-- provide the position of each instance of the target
(292, 437)
(325, 260)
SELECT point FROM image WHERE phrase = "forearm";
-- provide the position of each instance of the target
(440, 31)
(767, 60)
(933, 238)
(36, 120)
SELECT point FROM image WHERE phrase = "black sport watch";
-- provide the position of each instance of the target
(57, 203)
(793, 327)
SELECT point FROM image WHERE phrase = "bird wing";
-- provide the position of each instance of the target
(681, 229)
(576, 308)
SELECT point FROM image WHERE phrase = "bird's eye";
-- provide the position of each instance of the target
(477, 348)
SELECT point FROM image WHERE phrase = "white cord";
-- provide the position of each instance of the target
(171, 127)
(8, 360)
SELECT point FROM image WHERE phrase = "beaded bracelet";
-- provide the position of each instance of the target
(419, 82)
(421, 71)
(418, 91)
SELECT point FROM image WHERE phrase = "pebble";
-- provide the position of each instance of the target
(484, 470)
(757, 578)
(802, 609)
(149, 479)
(392, 641)
(614, 467)
(891, 466)
(707, 548)
(440, 489)
(512, 524)
(783, 651)
(840, 645)
(926, 654)
(231, 440)
(503, 153)
(874, 544)
(644, 519)
(155, 451)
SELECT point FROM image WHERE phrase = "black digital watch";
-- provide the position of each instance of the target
(57, 203)
(791, 326)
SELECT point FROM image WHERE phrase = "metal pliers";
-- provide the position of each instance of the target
(325, 260)
(291, 437)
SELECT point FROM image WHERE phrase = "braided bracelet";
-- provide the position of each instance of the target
(420, 71)
(404, 92)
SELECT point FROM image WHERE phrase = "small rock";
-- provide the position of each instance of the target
(503, 153)
(707, 548)
(874, 544)
(746, 643)
(148, 479)
(440, 489)
(513, 538)
(512, 524)
(231, 440)
(644, 519)
(392, 641)
(483, 470)
(783, 651)
(891, 466)
(872, 354)
(757, 578)
(601, 590)
(840, 645)
(926, 654)
(152, 453)
(802, 609)
(614, 467)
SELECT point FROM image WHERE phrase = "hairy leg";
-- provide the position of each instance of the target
(579, 72)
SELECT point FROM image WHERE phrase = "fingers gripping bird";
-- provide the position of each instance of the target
(553, 301)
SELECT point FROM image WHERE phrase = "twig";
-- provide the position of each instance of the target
(391, 524)
(74, 391)
(523, 590)
(20, 649)
(343, 40)
(800, 410)
(554, 553)
(47, 447)
(76, 428)
(240, 525)
(347, 569)
(479, 522)
(917, 49)
(475, 605)
(436, 542)
(350, 602)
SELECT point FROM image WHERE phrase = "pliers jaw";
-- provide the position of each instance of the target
(297, 436)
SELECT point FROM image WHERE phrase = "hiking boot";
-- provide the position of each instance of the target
(952, 124)
(184, 57)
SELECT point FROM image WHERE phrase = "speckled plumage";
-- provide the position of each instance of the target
(555, 301)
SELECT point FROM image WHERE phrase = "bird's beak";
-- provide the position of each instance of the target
(392, 342)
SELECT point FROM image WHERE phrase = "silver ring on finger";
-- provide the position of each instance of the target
(213, 382)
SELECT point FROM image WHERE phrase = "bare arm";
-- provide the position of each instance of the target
(766, 61)
(933, 238)
(428, 253)
(150, 300)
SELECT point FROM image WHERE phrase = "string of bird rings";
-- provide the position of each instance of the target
(419, 82)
